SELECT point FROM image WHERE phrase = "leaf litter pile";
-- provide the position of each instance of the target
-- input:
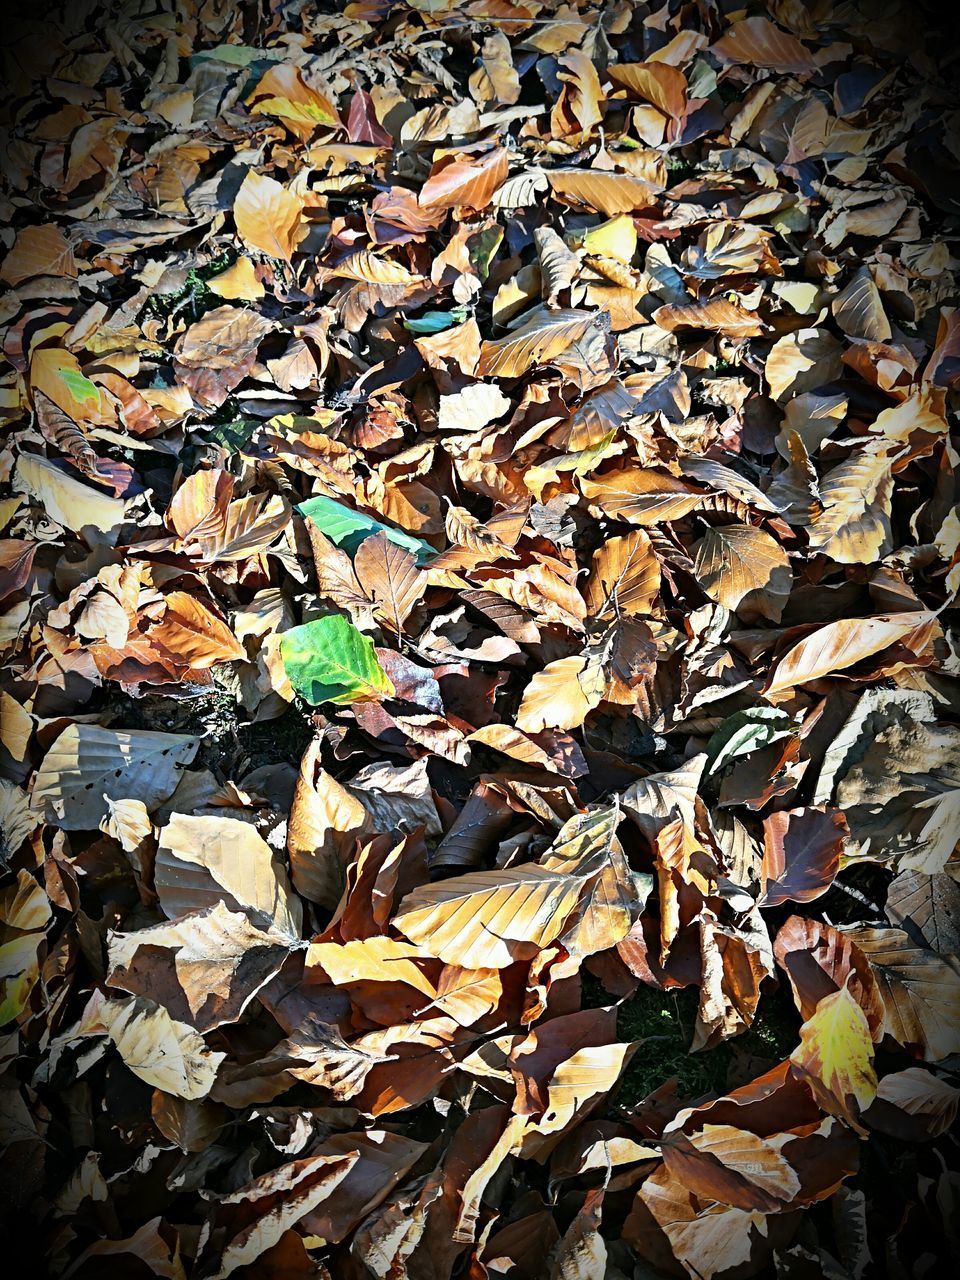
(481, 771)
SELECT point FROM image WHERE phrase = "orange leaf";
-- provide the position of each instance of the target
(463, 180)
(268, 216)
(194, 634)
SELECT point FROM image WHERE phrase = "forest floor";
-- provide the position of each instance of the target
(479, 538)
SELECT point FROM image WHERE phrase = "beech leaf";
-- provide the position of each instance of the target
(329, 660)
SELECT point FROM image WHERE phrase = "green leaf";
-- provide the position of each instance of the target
(348, 528)
(328, 660)
(233, 435)
(484, 248)
(81, 388)
(436, 321)
(746, 731)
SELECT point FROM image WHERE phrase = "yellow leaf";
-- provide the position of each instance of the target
(615, 238)
(836, 1057)
(489, 918)
(56, 372)
(237, 283)
(282, 92)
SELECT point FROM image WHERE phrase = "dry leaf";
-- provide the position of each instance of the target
(269, 217)
(88, 766)
(205, 860)
(743, 569)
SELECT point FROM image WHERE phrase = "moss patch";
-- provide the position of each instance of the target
(664, 1021)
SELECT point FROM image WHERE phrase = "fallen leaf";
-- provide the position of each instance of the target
(743, 569)
(329, 660)
(202, 861)
(268, 216)
(163, 1052)
(836, 1057)
(87, 766)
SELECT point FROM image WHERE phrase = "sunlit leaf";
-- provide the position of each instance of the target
(329, 660)
(269, 217)
(836, 1056)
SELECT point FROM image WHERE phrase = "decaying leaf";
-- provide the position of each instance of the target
(87, 766)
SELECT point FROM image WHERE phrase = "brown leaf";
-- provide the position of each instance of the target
(489, 917)
(325, 822)
(913, 1105)
(743, 569)
(927, 907)
(87, 766)
(59, 429)
(920, 992)
(801, 854)
(205, 967)
(260, 1213)
(582, 1252)
(390, 579)
(159, 1050)
(205, 860)
(464, 180)
(757, 42)
(819, 960)
(854, 527)
(540, 340)
(718, 314)
(38, 251)
(560, 696)
(194, 634)
(731, 1166)
(704, 1236)
(624, 577)
(16, 562)
(640, 496)
(802, 361)
(842, 644)
(218, 352)
(605, 192)
(656, 82)
(858, 309)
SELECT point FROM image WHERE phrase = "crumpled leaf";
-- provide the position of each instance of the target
(205, 860)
